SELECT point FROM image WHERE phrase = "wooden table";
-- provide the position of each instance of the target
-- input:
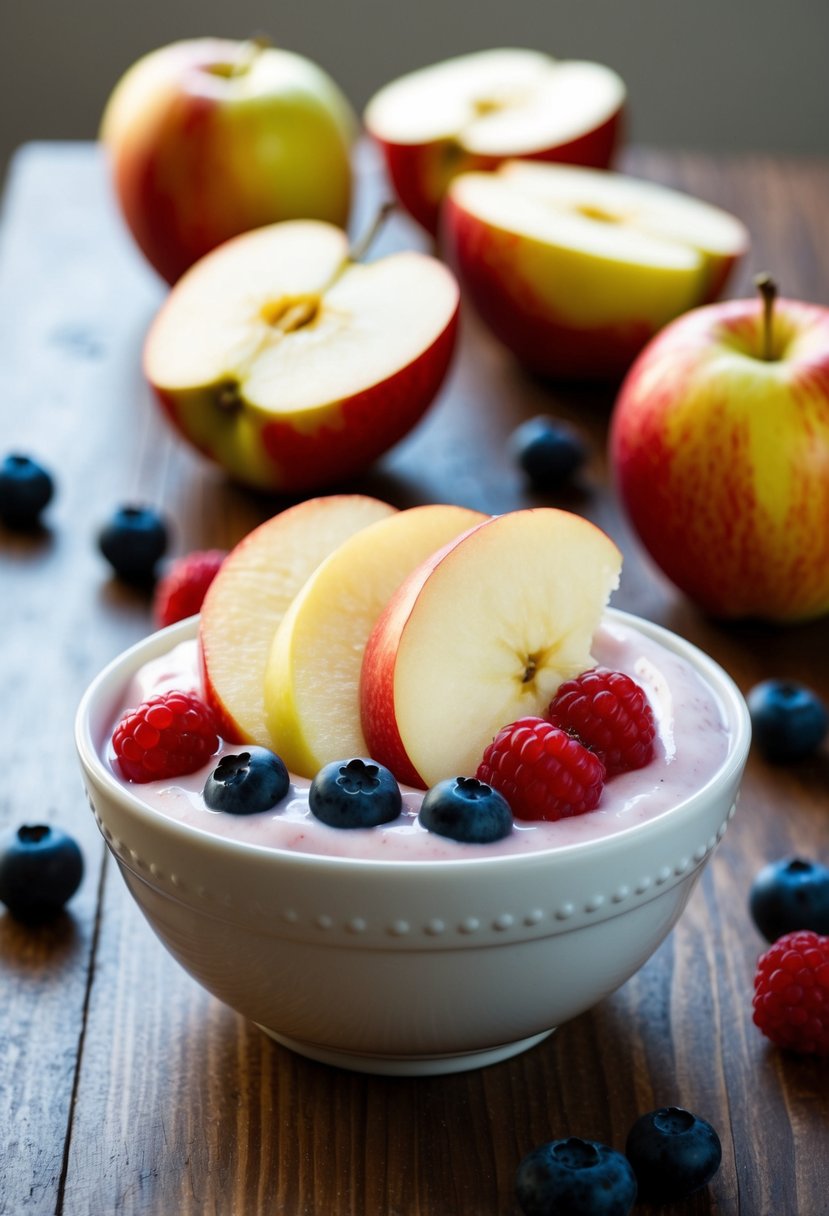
(123, 1086)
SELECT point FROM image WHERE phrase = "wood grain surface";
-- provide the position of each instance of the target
(124, 1088)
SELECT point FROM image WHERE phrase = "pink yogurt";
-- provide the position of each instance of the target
(691, 745)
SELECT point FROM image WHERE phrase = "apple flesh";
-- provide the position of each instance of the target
(312, 679)
(480, 634)
(475, 111)
(719, 446)
(209, 138)
(252, 592)
(575, 270)
(295, 367)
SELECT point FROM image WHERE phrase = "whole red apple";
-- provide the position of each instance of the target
(719, 445)
(209, 138)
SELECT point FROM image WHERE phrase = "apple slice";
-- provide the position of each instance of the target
(312, 679)
(251, 593)
(474, 111)
(292, 365)
(575, 269)
(481, 633)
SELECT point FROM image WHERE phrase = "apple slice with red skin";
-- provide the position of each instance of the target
(312, 680)
(475, 111)
(251, 593)
(480, 634)
(293, 365)
(575, 270)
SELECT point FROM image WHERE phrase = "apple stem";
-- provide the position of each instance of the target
(251, 49)
(767, 288)
(361, 247)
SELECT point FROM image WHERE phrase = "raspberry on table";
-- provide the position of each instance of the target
(610, 714)
(791, 993)
(181, 591)
(542, 771)
(169, 735)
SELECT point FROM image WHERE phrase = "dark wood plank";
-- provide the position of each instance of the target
(124, 1087)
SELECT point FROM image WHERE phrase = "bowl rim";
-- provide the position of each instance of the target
(114, 676)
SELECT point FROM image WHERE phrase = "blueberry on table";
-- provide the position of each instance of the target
(133, 542)
(789, 721)
(247, 782)
(41, 867)
(549, 451)
(790, 894)
(25, 489)
(355, 793)
(577, 1178)
(673, 1154)
(466, 809)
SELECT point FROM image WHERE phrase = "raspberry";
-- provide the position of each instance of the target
(167, 736)
(610, 714)
(791, 993)
(542, 771)
(181, 591)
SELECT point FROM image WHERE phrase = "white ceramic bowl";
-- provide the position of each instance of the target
(408, 967)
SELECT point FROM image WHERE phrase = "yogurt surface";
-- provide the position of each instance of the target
(691, 744)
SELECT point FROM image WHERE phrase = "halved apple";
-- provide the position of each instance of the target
(475, 111)
(292, 365)
(312, 681)
(481, 633)
(251, 593)
(575, 270)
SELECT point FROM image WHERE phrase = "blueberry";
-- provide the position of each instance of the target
(576, 1177)
(41, 867)
(466, 809)
(673, 1154)
(789, 721)
(549, 451)
(25, 489)
(133, 542)
(247, 783)
(790, 894)
(355, 794)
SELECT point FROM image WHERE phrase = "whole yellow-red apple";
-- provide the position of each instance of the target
(720, 449)
(208, 138)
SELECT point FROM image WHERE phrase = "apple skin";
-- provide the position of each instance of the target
(420, 173)
(377, 709)
(322, 446)
(507, 290)
(198, 156)
(721, 458)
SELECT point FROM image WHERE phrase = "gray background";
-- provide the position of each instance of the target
(702, 74)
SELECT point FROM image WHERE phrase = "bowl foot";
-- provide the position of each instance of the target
(409, 1066)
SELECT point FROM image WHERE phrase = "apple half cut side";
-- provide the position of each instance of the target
(574, 270)
(293, 366)
(475, 111)
(251, 593)
(480, 634)
(312, 681)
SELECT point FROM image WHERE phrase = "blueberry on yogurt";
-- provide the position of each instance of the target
(247, 782)
(355, 793)
(466, 809)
